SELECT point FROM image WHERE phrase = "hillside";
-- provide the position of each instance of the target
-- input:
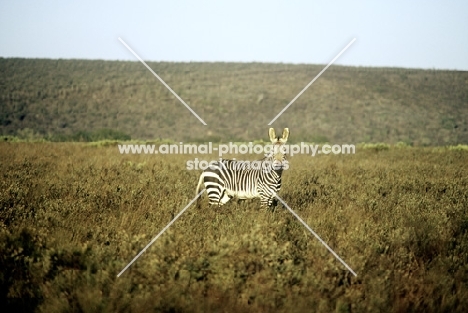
(237, 101)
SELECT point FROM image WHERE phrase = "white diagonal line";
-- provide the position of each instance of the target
(316, 236)
(160, 233)
(162, 81)
(313, 80)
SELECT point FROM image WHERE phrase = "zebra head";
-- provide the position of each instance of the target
(277, 155)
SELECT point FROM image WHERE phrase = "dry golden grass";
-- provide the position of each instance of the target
(72, 216)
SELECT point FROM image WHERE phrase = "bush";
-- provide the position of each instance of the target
(375, 146)
(21, 258)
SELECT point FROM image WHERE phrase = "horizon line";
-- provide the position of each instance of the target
(239, 62)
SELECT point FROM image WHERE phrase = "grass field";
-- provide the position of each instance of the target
(73, 215)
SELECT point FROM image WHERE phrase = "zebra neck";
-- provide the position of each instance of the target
(270, 161)
(278, 172)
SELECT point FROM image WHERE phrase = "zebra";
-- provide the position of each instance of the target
(225, 179)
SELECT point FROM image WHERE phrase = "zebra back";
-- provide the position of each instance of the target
(247, 180)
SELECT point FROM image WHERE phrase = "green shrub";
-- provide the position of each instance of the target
(459, 147)
(375, 146)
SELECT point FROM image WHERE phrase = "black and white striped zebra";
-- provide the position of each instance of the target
(226, 179)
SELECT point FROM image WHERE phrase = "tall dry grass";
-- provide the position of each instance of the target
(72, 216)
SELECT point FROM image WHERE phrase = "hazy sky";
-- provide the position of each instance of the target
(416, 34)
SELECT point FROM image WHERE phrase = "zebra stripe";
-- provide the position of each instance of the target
(226, 179)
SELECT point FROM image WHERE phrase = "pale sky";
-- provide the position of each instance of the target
(411, 34)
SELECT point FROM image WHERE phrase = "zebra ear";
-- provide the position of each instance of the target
(285, 134)
(272, 134)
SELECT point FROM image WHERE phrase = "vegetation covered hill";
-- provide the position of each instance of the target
(63, 98)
